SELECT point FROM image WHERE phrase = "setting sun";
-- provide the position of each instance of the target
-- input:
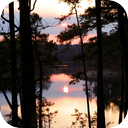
(65, 89)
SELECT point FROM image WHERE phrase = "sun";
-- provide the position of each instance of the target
(65, 89)
(64, 24)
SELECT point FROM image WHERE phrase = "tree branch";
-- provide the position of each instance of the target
(33, 5)
(8, 21)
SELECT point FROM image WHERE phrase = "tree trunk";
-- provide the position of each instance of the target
(13, 65)
(40, 82)
(40, 98)
(0, 118)
(20, 96)
(85, 74)
(122, 92)
(100, 97)
(126, 17)
(124, 44)
(27, 68)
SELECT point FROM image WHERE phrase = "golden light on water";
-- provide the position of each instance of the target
(66, 103)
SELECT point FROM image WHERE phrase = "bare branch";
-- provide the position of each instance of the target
(47, 25)
(4, 18)
(33, 5)
(8, 20)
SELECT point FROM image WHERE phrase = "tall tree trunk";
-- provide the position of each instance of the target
(13, 65)
(122, 92)
(40, 98)
(126, 17)
(0, 118)
(124, 44)
(20, 96)
(27, 68)
(85, 74)
(100, 97)
(40, 82)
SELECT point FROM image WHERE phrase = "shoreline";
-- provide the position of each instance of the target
(107, 74)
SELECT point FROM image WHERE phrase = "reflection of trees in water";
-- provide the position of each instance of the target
(111, 86)
(111, 91)
(45, 86)
(46, 83)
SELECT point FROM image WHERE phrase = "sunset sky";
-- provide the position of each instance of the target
(65, 103)
(52, 8)
(49, 10)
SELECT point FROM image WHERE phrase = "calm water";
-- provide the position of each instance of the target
(65, 103)
(76, 98)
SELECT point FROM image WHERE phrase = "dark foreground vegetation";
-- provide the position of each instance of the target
(25, 53)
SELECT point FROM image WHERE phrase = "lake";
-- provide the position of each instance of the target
(75, 98)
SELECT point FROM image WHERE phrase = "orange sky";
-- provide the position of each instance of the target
(51, 9)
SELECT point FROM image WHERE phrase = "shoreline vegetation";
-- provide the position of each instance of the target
(92, 73)
(110, 68)
(106, 74)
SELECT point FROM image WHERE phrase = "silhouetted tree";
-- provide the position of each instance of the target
(46, 115)
(13, 65)
(100, 97)
(78, 33)
(122, 91)
(27, 67)
(82, 119)
(0, 118)
(124, 44)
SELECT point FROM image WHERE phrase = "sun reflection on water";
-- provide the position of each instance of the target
(66, 103)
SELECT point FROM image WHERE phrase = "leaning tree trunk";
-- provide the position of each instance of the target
(27, 68)
(13, 65)
(100, 97)
(124, 44)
